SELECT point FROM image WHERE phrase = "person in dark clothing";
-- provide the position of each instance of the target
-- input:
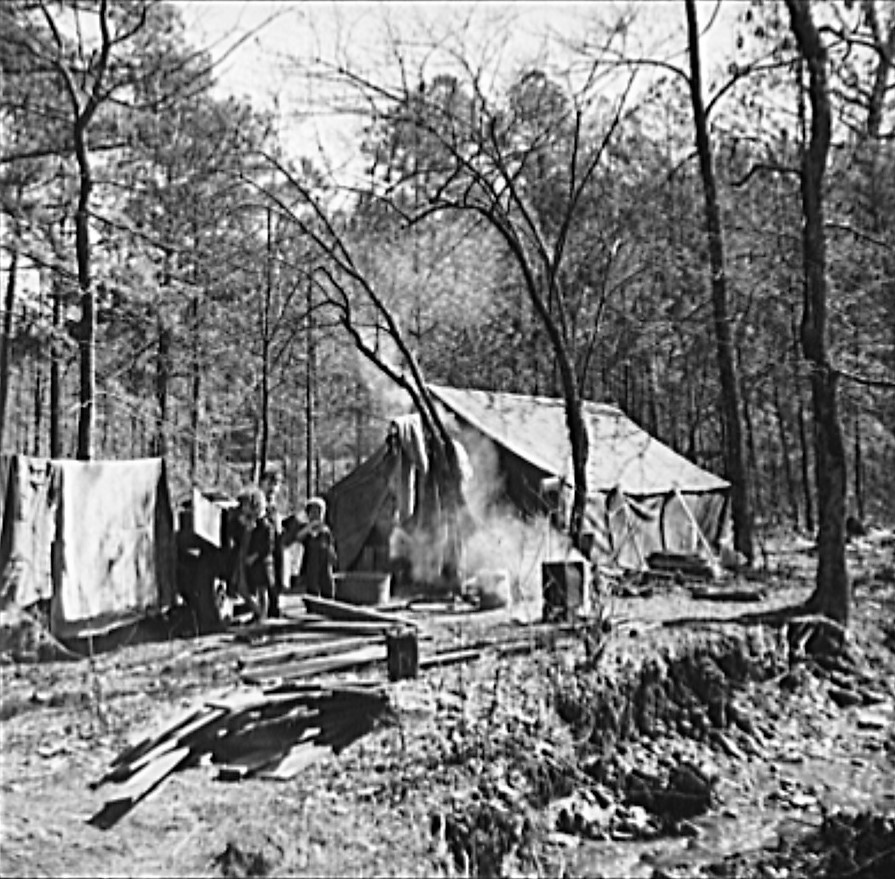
(319, 558)
(271, 483)
(255, 539)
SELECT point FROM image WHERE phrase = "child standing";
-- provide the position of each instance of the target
(271, 483)
(253, 549)
(319, 558)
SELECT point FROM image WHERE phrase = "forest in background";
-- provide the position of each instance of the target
(246, 306)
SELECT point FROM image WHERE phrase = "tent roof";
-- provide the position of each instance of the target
(622, 455)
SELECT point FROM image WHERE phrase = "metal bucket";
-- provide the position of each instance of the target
(363, 587)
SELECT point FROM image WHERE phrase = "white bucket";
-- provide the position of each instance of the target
(495, 590)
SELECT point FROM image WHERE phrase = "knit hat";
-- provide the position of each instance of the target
(318, 503)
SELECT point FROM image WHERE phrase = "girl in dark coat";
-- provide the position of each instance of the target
(319, 558)
(256, 540)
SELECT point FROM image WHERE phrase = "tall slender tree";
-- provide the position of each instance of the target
(734, 445)
(832, 595)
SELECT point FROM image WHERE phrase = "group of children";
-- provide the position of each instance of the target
(259, 535)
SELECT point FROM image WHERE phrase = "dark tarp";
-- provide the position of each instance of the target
(358, 505)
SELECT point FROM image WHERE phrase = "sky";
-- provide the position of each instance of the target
(262, 68)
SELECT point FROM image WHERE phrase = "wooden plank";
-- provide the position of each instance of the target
(280, 732)
(340, 610)
(450, 657)
(249, 698)
(320, 683)
(320, 665)
(149, 740)
(333, 628)
(325, 648)
(300, 757)
(127, 795)
(270, 628)
(184, 737)
(249, 763)
(706, 593)
(308, 638)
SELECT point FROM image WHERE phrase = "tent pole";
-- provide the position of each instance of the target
(632, 531)
(701, 537)
(630, 534)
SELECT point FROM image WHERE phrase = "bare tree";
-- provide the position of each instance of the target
(734, 444)
(469, 151)
(832, 595)
(84, 76)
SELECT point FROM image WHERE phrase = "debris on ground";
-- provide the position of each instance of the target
(846, 844)
(686, 737)
(276, 732)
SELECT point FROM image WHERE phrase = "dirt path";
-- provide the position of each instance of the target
(528, 763)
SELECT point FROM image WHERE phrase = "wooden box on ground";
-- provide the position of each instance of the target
(402, 653)
(566, 588)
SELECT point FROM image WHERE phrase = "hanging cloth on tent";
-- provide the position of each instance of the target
(29, 530)
(414, 464)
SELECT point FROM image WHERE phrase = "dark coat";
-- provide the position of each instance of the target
(318, 561)
(260, 571)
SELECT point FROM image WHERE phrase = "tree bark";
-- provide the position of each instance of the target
(9, 301)
(266, 305)
(734, 448)
(832, 594)
(87, 329)
(195, 389)
(56, 373)
(162, 382)
(310, 393)
(786, 455)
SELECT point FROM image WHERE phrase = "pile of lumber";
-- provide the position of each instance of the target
(331, 637)
(274, 733)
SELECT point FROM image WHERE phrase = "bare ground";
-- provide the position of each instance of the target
(531, 764)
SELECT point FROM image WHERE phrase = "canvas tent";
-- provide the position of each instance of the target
(393, 487)
(93, 540)
(642, 495)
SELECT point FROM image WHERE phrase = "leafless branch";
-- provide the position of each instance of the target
(764, 167)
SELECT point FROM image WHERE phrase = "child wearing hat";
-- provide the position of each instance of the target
(319, 558)
(253, 543)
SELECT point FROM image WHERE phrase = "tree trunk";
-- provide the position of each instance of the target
(753, 456)
(310, 439)
(9, 301)
(805, 459)
(87, 329)
(786, 456)
(195, 390)
(832, 595)
(734, 449)
(163, 363)
(38, 405)
(859, 469)
(162, 382)
(264, 450)
(56, 373)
